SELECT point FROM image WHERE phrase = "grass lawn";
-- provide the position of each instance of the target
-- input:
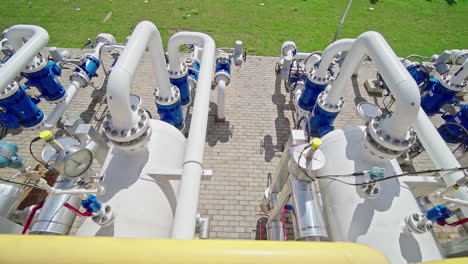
(411, 26)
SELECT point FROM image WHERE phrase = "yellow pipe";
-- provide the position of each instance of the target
(65, 249)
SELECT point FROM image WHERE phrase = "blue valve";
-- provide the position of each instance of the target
(45, 80)
(438, 213)
(91, 204)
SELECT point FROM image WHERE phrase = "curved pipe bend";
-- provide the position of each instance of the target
(145, 35)
(399, 81)
(24, 51)
(329, 53)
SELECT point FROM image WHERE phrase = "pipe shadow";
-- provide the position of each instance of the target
(409, 248)
(97, 97)
(358, 96)
(282, 123)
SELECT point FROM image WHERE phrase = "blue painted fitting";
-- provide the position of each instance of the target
(183, 85)
(9, 156)
(419, 75)
(194, 70)
(436, 97)
(90, 66)
(310, 94)
(438, 213)
(171, 114)
(91, 204)
(45, 80)
(223, 65)
(321, 121)
(20, 110)
(453, 133)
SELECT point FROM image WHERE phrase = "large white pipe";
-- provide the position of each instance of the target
(24, 51)
(330, 52)
(221, 90)
(440, 154)
(60, 108)
(145, 35)
(186, 212)
(399, 81)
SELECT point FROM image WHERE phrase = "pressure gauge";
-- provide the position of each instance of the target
(73, 161)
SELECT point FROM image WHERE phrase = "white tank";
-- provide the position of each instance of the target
(378, 222)
(143, 205)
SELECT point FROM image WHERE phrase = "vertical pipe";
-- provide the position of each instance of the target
(186, 211)
(221, 90)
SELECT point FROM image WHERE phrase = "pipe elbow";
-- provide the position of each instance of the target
(17, 33)
(118, 100)
(330, 52)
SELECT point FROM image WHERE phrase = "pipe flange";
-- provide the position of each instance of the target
(38, 126)
(37, 64)
(183, 71)
(190, 62)
(418, 223)
(332, 108)
(222, 76)
(175, 96)
(370, 191)
(105, 38)
(136, 144)
(387, 141)
(192, 83)
(456, 87)
(287, 46)
(9, 90)
(318, 79)
(127, 135)
(79, 77)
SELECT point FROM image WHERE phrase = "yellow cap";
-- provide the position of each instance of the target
(46, 135)
(315, 143)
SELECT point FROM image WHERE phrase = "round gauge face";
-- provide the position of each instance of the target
(77, 163)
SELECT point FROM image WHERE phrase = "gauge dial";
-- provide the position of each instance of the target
(73, 161)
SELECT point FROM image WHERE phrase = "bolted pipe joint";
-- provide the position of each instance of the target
(43, 75)
(323, 115)
(170, 108)
(311, 92)
(288, 47)
(193, 69)
(132, 139)
(179, 78)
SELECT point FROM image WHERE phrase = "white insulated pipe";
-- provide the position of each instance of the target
(60, 108)
(221, 92)
(329, 53)
(37, 38)
(399, 81)
(145, 35)
(189, 192)
(440, 154)
(459, 76)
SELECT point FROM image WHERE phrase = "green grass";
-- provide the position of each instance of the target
(410, 26)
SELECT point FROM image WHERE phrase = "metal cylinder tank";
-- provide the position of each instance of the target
(138, 188)
(377, 222)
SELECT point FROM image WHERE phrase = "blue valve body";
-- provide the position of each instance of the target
(310, 94)
(45, 80)
(91, 204)
(453, 133)
(183, 85)
(438, 213)
(193, 72)
(436, 97)
(321, 121)
(171, 114)
(9, 156)
(223, 66)
(90, 66)
(21, 110)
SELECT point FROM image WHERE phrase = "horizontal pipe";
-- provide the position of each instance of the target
(24, 51)
(61, 107)
(55, 249)
(186, 211)
(145, 35)
(329, 53)
(399, 81)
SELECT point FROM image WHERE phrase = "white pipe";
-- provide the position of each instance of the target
(440, 154)
(60, 108)
(330, 52)
(24, 52)
(186, 211)
(399, 81)
(460, 75)
(145, 35)
(221, 90)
